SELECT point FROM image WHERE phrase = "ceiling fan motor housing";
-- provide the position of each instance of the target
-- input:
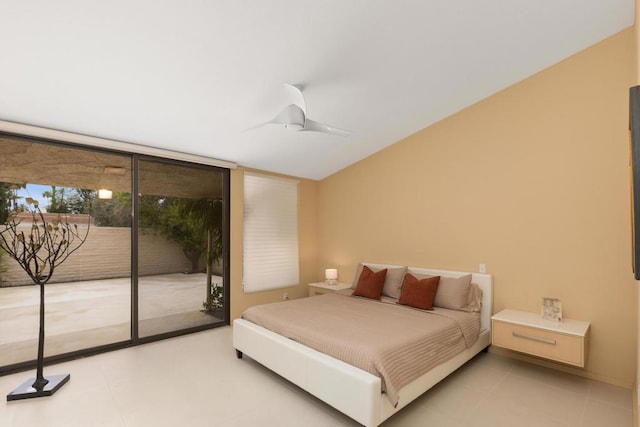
(293, 117)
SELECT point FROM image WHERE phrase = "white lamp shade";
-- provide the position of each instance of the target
(331, 274)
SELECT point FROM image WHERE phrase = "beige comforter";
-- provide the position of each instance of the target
(394, 342)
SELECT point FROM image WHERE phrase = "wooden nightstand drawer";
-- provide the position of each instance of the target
(564, 342)
(551, 345)
(313, 291)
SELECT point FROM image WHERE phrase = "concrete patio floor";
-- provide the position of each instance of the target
(91, 313)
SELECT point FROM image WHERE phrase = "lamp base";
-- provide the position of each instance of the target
(26, 390)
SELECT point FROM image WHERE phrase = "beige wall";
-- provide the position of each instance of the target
(307, 229)
(532, 181)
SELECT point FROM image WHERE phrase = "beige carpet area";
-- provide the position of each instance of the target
(87, 314)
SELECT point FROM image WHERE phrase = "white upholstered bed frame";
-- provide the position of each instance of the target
(351, 390)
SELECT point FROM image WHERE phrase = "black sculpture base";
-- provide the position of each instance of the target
(26, 391)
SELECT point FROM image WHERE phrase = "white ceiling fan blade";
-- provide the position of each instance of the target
(312, 125)
(259, 125)
(295, 94)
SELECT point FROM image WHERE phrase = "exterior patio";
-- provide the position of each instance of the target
(85, 314)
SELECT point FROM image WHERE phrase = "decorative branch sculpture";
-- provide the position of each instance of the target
(39, 251)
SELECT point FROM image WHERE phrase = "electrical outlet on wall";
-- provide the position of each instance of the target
(482, 268)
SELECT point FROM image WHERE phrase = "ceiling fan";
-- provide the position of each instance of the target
(294, 117)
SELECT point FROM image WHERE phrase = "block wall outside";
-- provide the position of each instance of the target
(107, 254)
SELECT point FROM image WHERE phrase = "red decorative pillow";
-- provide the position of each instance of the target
(419, 293)
(370, 284)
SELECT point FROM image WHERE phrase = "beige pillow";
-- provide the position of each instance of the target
(474, 299)
(453, 292)
(356, 276)
(392, 283)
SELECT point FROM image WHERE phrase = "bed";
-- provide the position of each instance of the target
(357, 393)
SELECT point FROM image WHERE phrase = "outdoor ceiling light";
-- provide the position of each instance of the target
(105, 194)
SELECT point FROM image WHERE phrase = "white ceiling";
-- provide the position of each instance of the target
(193, 75)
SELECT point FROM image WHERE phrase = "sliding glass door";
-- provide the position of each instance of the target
(153, 262)
(180, 247)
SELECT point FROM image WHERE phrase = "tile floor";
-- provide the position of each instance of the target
(196, 380)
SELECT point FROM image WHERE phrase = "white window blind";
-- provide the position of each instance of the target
(270, 233)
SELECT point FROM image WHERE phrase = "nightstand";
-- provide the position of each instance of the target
(319, 288)
(529, 333)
